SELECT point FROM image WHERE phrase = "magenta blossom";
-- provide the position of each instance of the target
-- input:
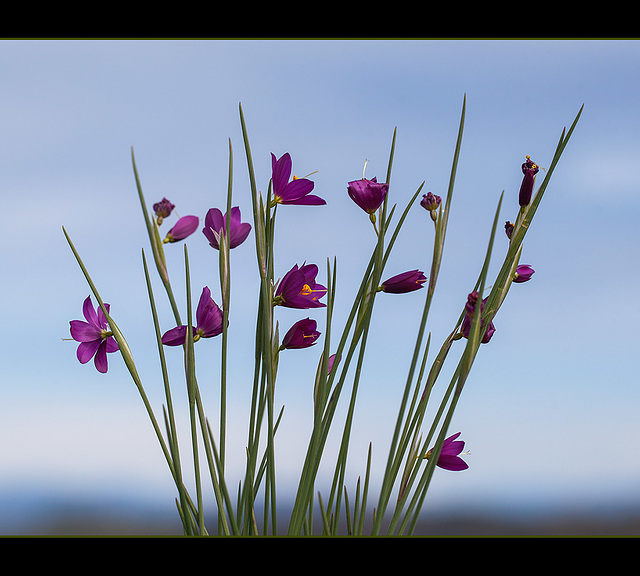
(430, 201)
(294, 192)
(215, 225)
(301, 335)
(208, 322)
(405, 282)
(94, 336)
(298, 288)
(368, 194)
(448, 458)
(529, 169)
(523, 273)
(163, 209)
(468, 317)
(184, 227)
(508, 229)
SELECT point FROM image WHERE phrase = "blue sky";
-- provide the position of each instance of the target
(550, 412)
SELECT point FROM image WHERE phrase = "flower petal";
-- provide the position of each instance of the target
(100, 359)
(86, 350)
(83, 331)
(280, 172)
(90, 313)
(175, 337)
(449, 462)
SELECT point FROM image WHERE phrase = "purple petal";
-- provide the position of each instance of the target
(452, 463)
(90, 313)
(295, 190)
(101, 317)
(203, 305)
(309, 200)
(281, 171)
(213, 223)
(84, 332)
(100, 359)
(86, 350)
(239, 234)
(184, 227)
(112, 345)
(208, 315)
(175, 337)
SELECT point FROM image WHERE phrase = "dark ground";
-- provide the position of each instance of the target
(85, 520)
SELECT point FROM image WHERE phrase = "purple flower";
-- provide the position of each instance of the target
(208, 322)
(430, 201)
(294, 192)
(162, 209)
(529, 169)
(523, 273)
(298, 288)
(184, 227)
(215, 225)
(448, 458)
(301, 335)
(368, 194)
(508, 229)
(469, 311)
(405, 282)
(94, 336)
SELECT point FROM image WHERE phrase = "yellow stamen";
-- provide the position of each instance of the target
(306, 290)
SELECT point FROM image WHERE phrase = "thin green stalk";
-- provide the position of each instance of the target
(156, 245)
(171, 425)
(190, 371)
(127, 356)
(225, 288)
(393, 460)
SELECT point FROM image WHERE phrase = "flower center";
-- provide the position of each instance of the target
(306, 290)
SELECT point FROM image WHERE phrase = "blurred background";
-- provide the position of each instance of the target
(550, 413)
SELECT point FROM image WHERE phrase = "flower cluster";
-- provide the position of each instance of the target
(469, 310)
(523, 272)
(93, 335)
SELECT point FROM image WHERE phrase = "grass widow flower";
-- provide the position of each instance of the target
(430, 202)
(523, 273)
(184, 227)
(215, 225)
(298, 288)
(368, 194)
(448, 458)
(95, 338)
(508, 229)
(405, 282)
(529, 169)
(470, 307)
(295, 191)
(162, 209)
(301, 335)
(208, 322)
